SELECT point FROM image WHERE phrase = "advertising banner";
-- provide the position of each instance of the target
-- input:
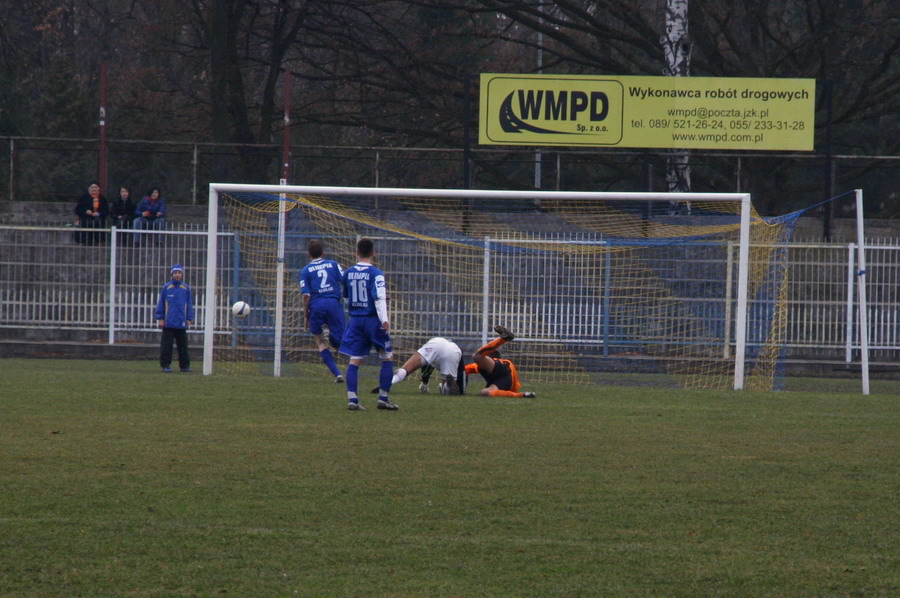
(647, 112)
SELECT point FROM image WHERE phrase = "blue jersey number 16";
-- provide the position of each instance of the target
(359, 293)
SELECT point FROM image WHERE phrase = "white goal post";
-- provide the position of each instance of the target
(216, 189)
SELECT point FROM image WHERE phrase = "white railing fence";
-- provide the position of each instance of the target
(99, 280)
(109, 287)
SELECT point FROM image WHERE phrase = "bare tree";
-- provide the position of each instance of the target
(246, 43)
(395, 72)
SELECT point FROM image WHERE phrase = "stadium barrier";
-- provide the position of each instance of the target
(51, 286)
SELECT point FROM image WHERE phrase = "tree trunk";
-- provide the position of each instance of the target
(231, 116)
(677, 50)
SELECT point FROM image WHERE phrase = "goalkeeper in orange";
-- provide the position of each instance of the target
(500, 374)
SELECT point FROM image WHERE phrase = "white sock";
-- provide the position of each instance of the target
(400, 376)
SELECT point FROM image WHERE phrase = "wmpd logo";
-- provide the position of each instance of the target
(548, 110)
(525, 105)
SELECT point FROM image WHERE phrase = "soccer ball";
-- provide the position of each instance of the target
(241, 309)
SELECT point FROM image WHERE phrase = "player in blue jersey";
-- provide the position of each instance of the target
(320, 286)
(366, 295)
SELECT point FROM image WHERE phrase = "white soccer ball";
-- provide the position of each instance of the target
(241, 309)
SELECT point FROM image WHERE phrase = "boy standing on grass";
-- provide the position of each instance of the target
(174, 313)
(366, 295)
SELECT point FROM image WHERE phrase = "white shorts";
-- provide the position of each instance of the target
(443, 355)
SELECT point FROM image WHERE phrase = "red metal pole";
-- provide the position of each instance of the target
(102, 170)
(286, 149)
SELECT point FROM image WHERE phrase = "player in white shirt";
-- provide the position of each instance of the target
(440, 354)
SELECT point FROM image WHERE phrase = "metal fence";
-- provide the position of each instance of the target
(66, 278)
(823, 317)
(107, 287)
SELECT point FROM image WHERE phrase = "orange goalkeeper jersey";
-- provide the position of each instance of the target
(472, 368)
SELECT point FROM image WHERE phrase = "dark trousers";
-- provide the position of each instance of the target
(179, 335)
(91, 238)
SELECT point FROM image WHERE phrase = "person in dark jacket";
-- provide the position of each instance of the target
(92, 210)
(174, 314)
(121, 211)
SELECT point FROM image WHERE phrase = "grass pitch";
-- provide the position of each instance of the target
(119, 480)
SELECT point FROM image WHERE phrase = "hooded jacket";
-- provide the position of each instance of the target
(175, 305)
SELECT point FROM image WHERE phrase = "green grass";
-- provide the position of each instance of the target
(120, 481)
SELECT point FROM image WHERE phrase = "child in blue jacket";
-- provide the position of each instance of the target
(174, 313)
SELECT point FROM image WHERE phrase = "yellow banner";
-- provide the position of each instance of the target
(647, 112)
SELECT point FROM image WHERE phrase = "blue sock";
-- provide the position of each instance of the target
(352, 382)
(328, 359)
(385, 377)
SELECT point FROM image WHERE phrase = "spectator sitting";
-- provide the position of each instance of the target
(122, 210)
(151, 213)
(92, 210)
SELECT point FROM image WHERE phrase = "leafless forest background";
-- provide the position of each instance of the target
(403, 74)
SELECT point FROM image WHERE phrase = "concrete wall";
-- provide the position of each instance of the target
(61, 213)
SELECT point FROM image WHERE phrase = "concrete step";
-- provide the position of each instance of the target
(54, 213)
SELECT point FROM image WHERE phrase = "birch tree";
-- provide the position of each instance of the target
(677, 52)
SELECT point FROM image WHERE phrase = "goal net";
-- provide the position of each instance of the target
(623, 288)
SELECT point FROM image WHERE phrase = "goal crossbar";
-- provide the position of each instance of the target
(477, 193)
